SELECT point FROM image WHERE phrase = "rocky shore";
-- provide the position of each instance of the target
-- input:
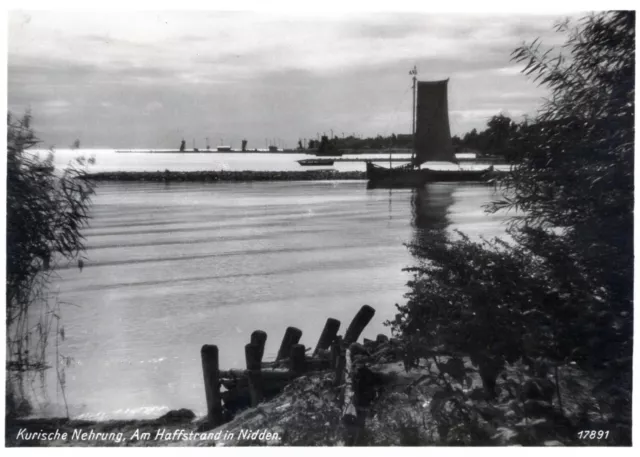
(237, 176)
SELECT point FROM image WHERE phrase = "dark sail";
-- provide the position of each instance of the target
(433, 137)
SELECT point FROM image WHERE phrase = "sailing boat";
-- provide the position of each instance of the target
(432, 142)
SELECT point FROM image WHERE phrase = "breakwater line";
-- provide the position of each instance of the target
(214, 176)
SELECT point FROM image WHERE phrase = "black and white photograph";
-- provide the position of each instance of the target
(331, 226)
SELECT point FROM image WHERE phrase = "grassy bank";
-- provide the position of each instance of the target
(399, 412)
(215, 176)
(439, 401)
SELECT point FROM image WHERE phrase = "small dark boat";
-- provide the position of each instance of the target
(316, 162)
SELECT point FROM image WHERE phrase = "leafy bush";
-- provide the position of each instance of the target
(561, 291)
(577, 177)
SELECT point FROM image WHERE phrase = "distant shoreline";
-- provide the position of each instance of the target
(262, 151)
(226, 176)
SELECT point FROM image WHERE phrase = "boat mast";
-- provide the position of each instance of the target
(414, 73)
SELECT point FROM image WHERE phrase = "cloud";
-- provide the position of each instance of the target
(152, 106)
(56, 106)
(511, 70)
(153, 77)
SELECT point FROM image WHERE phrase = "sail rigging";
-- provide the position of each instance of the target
(432, 135)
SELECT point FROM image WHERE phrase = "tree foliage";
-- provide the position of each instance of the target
(560, 291)
(498, 139)
(578, 175)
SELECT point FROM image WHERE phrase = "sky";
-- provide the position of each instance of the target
(149, 79)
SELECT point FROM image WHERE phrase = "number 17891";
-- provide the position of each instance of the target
(593, 434)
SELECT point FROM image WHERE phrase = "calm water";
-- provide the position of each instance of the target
(174, 266)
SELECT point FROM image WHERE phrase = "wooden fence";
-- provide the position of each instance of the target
(262, 380)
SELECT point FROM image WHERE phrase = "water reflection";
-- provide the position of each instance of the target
(429, 209)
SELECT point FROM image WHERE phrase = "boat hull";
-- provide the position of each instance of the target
(316, 162)
(405, 177)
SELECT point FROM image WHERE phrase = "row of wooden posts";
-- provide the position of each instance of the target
(261, 379)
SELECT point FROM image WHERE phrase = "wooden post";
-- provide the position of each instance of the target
(260, 338)
(270, 380)
(359, 322)
(349, 411)
(228, 377)
(339, 370)
(253, 354)
(211, 372)
(291, 336)
(335, 351)
(328, 334)
(298, 362)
